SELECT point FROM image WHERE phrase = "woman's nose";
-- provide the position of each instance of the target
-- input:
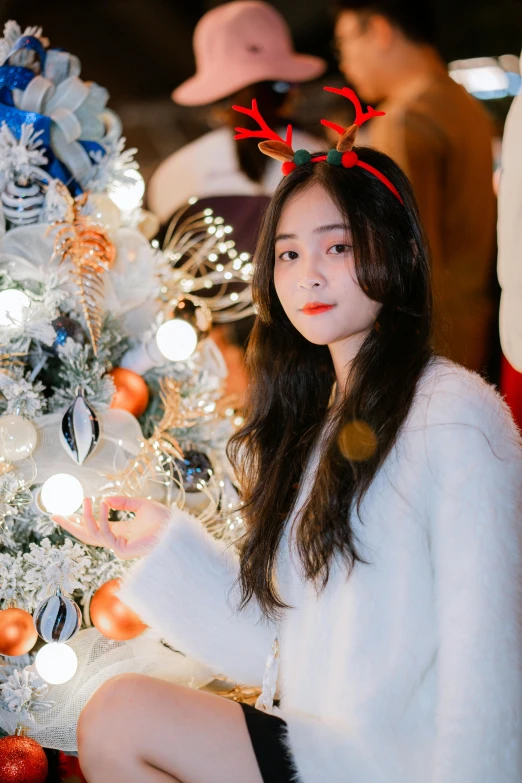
(309, 283)
(310, 275)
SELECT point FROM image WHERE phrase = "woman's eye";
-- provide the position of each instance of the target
(288, 255)
(337, 250)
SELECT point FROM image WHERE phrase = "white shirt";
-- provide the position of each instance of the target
(209, 166)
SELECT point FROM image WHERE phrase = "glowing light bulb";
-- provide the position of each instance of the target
(61, 494)
(128, 193)
(56, 663)
(12, 306)
(177, 340)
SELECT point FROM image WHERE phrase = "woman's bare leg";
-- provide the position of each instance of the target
(138, 729)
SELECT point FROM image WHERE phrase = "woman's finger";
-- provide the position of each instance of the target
(73, 528)
(108, 536)
(90, 522)
(122, 503)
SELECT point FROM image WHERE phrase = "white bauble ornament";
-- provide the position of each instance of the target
(104, 211)
(18, 438)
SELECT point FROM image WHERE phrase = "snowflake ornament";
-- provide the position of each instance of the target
(11, 580)
(21, 159)
(23, 691)
(111, 168)
(49, 567)
(21, 396)
(56, 206)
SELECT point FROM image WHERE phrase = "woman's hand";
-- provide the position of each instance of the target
(128, 538)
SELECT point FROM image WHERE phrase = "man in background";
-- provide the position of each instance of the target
(441, 137)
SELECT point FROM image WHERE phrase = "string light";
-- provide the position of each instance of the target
(128, 192)
(176, 339)
(56, 663)
(61, 494)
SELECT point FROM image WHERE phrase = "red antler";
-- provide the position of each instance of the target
(265, 132)
(360, 115)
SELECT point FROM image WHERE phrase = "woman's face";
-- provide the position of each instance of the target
(314, 272)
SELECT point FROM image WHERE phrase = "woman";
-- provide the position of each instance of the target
(382, 491)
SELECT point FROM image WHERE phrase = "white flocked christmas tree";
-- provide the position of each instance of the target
(108, 383)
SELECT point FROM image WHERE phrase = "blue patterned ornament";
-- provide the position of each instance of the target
(58, 618)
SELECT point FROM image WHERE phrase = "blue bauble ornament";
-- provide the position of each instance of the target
(67, 327)
(195, 467)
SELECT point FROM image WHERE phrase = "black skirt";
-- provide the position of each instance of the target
(266, 734)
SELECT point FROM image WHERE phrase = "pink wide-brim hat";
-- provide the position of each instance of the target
(242, 43)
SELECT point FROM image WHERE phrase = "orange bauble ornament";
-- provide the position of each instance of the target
(110, 615)
(17, 632)
(132, 393)
(22, 760)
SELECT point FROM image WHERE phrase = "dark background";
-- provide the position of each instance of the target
(141, 49)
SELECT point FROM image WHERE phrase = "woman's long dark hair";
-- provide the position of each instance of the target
(291, 380)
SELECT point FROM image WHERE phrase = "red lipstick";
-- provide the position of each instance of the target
(316, 308)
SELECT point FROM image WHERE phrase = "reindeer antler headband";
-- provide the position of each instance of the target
(342, 155)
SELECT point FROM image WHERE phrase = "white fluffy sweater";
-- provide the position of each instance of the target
(408, 671)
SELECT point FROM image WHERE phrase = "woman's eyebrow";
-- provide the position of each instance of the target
(318, 230)
(331, 227)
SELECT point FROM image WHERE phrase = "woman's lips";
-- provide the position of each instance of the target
(316, 308)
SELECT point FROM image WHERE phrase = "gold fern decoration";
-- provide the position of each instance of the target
(174, 416)
(87, 247)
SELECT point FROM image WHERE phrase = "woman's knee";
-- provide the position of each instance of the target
(106, 714)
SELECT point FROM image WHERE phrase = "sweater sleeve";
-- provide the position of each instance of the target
(476, 525)
(473, 469)
(185, 590)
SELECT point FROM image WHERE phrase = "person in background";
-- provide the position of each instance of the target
(510, 258)
(441, 137)
(243, 51)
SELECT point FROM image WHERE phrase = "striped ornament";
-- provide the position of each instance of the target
(57, 618)
(22, 204)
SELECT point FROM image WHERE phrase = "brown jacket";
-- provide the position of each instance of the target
(442, 139)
